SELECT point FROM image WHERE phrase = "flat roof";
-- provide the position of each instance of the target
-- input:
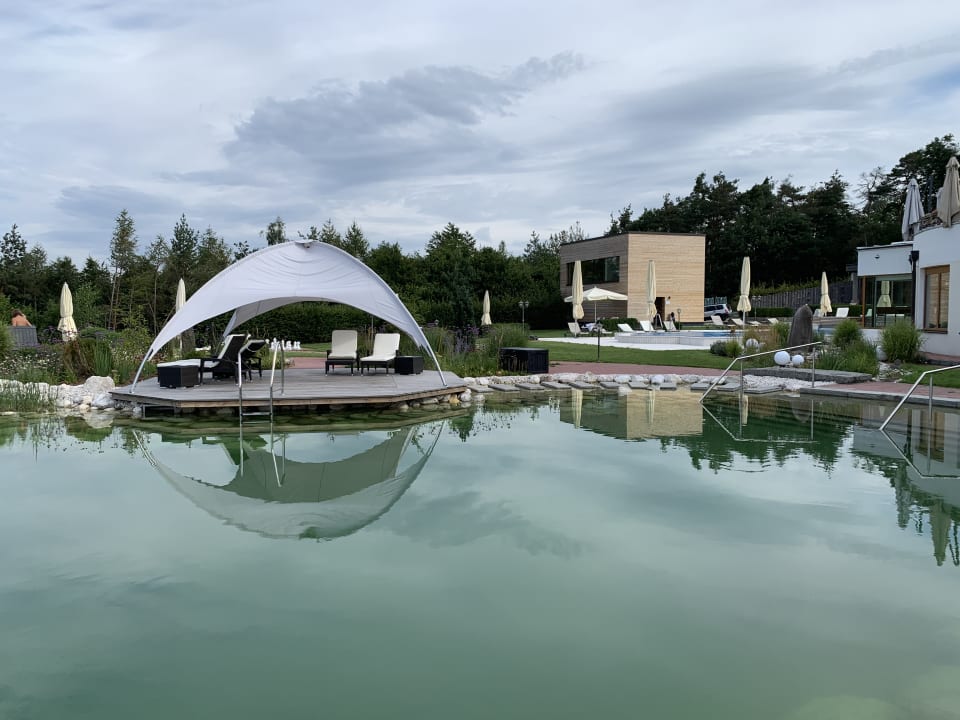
(633, 232)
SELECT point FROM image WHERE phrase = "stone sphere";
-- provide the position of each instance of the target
(752, 343)
(782, 358)
(797, 360)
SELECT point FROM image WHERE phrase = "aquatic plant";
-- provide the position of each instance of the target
(24, 397)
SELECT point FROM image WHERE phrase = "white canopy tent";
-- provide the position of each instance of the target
(287, 273)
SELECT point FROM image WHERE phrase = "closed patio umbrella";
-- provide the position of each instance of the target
(743, 304)
(912, 211)
(948, 203)
(825, 307)
(577, 297)
(485, 317)
(884, 300)
(651, 289)
(179, 301)
(66, 326)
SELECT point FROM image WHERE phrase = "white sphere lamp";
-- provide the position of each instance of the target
(782, 358)
(797, 360)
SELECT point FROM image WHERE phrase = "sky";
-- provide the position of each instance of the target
(500, 117)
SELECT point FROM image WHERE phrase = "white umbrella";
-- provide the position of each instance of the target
(825, 307)
(651, 289)
(912, 211)
(743, 304)
(577, 297)
(66, 326)
(596, 295)
(485, 317)
(178, 303)
(948, 202)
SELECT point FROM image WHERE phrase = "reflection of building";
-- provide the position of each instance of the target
(275, 496)
(636, 415)
(620, 262)
(927, 487)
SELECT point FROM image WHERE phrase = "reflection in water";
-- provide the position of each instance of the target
(277, 496)
(922, 463)
(634, 416)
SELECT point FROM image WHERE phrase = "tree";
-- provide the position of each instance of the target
(123, 251)
(276, 232)
(184, 246)
(355, 243)
(451, 276)
(329, 234)
(13, 248)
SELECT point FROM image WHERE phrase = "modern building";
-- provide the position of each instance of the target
(911, 279)
(620, 263)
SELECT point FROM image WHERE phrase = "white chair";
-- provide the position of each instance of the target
(343, 350)
(737, 321)
(385, 348)
(574, 328)
(625, 327)
(717, 320)
(843, 312)
(669, 326)
(646, 326)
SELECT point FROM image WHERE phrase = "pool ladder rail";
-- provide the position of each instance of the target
(741, 358)
(913, 387)
(277, 350)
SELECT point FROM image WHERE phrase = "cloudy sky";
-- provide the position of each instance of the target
(502, 117)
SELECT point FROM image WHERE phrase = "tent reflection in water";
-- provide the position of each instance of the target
(278, 497)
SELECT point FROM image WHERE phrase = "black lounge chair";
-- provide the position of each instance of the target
(224, 365)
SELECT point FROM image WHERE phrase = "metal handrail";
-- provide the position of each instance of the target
(914, 387)
(741, 358)
(273, 367)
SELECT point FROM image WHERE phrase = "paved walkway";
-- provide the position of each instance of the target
(872, 390)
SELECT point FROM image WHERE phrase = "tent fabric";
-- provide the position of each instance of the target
(287, 273)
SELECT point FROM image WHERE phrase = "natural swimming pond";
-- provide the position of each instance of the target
(568, 556)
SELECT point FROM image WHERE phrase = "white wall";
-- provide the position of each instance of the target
(940, 246)
(887, 260)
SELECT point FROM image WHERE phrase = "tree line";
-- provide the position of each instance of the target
(791, 234)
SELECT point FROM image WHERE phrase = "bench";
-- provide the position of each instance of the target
(24, 337)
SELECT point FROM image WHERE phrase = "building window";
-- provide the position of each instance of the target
(936, 298)
(594, 272)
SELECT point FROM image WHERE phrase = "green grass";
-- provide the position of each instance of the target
(588, 353)
(947, 378)
(571, 352)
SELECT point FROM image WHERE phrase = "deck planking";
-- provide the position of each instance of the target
(301, 387)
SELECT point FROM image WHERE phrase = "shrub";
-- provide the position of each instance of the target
(102, 358)
(726, 348)
(857, 356)
(719, 347)
(901, 341)
(19, 397)
(847, 332)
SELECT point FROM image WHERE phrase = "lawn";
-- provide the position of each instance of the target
(947, 378)
(588, 353)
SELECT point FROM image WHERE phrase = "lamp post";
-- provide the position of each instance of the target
(523, 304)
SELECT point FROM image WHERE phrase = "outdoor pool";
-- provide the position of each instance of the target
(567, 556)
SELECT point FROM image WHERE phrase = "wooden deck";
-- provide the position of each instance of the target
(301, 387)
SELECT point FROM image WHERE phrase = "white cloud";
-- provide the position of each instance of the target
(403, 118)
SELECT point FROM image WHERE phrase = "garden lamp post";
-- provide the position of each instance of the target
(523, 305)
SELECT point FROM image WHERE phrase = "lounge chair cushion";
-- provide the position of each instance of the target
(385, 348)
(343, 349)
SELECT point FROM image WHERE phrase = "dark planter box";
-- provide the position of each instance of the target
(408, 364)
(173, 376)
(524, 360)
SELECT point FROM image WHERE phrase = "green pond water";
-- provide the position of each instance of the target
(568, 557)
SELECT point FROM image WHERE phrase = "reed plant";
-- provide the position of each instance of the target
(21, 397)
(901, 341)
